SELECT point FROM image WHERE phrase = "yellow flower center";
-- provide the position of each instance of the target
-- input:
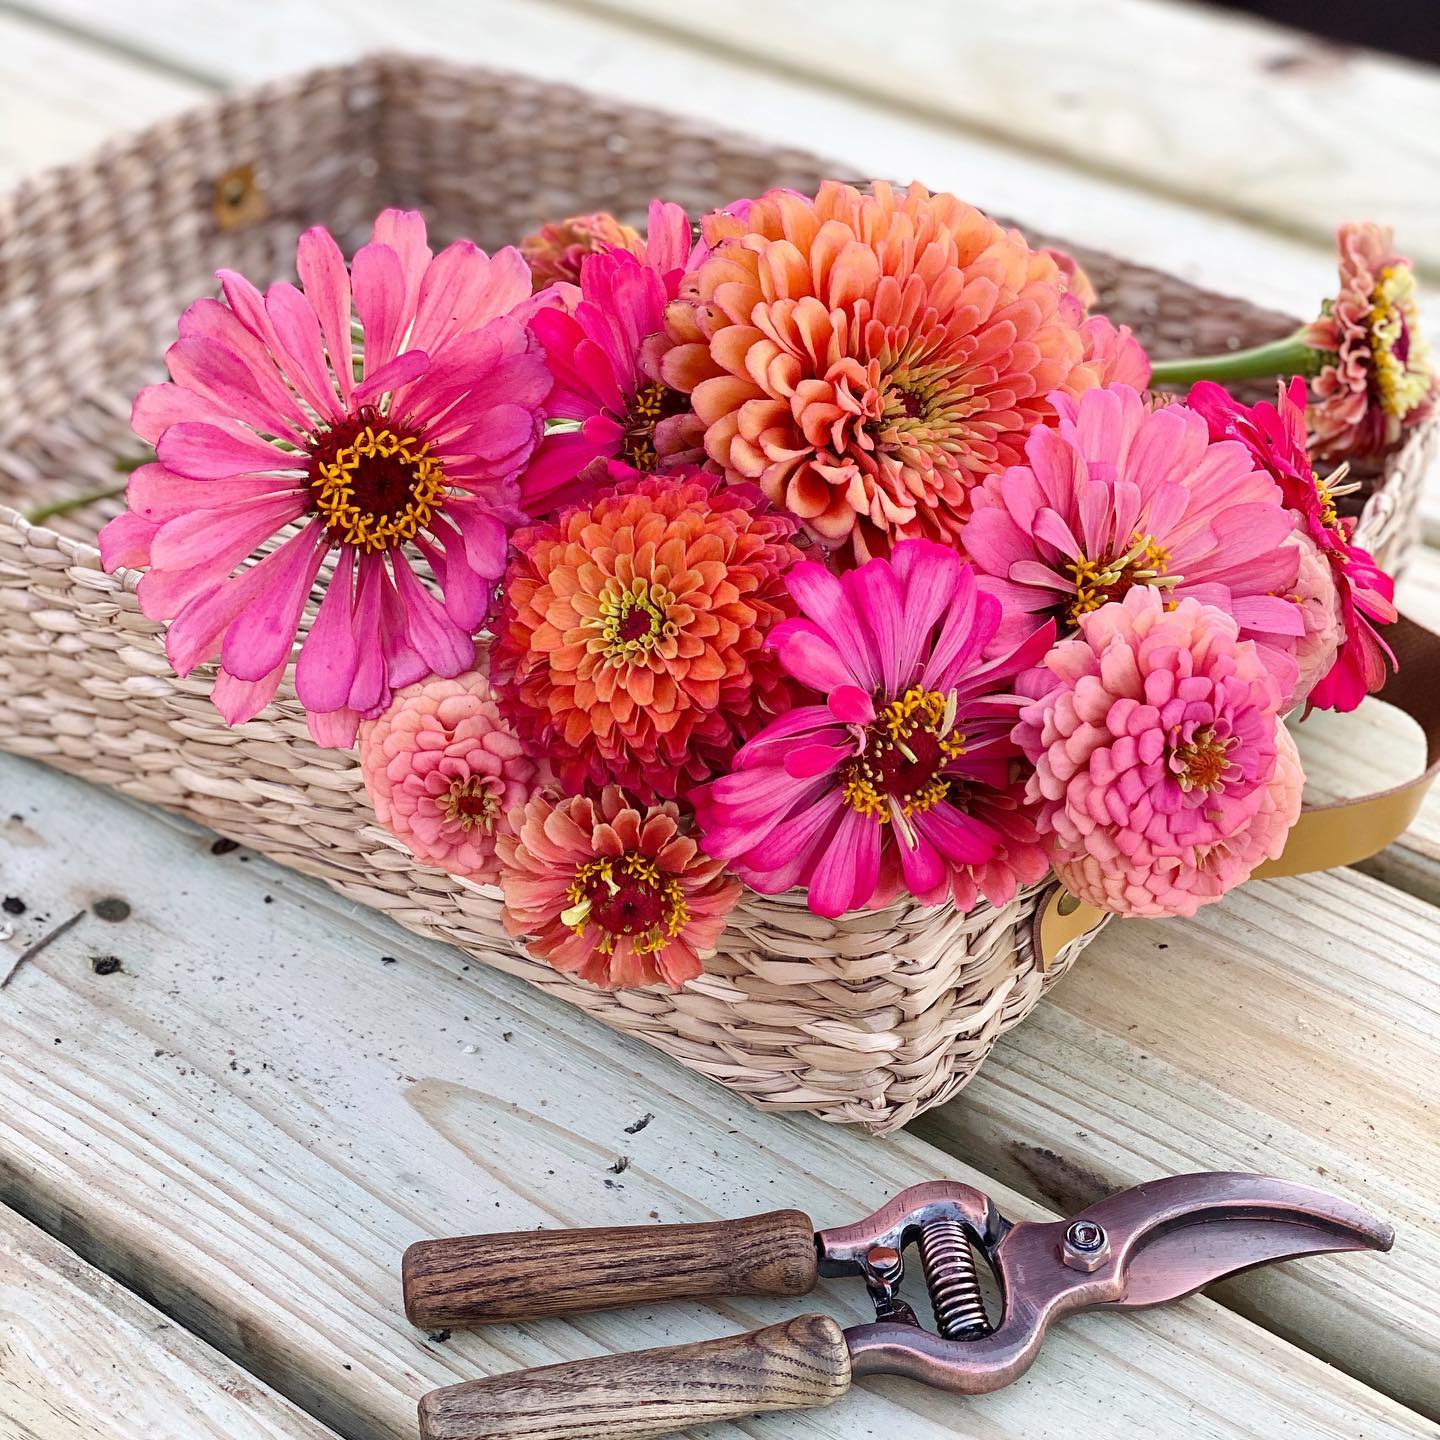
(1097, 582)
(1402, 359)
(650, 406)
(472, 802)
(903, 753)
(634, 620)
(628, 897)
(374, 488)
(1202, 763)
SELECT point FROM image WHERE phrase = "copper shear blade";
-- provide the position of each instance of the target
(1145, 1246)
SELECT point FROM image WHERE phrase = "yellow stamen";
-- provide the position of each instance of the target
(1403, 385)
(1097, 582)
(334, 489)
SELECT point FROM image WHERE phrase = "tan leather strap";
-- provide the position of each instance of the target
(1339, 832)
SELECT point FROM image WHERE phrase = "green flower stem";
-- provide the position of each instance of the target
(1288, 356)
(42, 513)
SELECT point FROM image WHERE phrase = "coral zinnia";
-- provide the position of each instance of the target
(1118, 496)
(900, 773)
(605, 362)
(443, 771)
(867, 358)
(616, 895)
(556, 251)
(1275, 436)
(1376, 380)
(632, 641)
(265, 425)
(1162, 769)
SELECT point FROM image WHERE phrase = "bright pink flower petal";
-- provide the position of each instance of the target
(261, 638)
(206, 452)
(321, 268)
(330, 656)
(302, 358)
(242, 700)
(377, 278)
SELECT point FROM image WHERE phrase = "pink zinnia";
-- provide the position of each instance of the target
(901, 771)
(605, 359)
(1275, 435)
(1162, 769)
(1116, 496)
(612, 893)
(265, 426)
(444, 771)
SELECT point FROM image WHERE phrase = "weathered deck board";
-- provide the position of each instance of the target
(81, 1357)
(1246, 118)
(252, 1118)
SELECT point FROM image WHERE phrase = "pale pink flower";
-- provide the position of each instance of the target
(444, 772)
(1163, 773)
(900, 772)
(1118, 496)
(265, 426)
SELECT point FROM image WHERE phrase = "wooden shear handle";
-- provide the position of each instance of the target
(793, 1366)
(529, 1274)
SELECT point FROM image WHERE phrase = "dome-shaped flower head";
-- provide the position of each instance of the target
(899, 772)
(631, 645)
(1116, 496)
(1364, 594)
(1162, 769)
(265, 426)
(605, 360)
(444, 771)
(614, 894)
(867, 358)
(556, 251)
(1376, 380)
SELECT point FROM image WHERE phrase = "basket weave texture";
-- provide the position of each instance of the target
(869, 1019)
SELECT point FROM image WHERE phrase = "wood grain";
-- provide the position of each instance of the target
(529, 1274)
(802, 1364)
(82, 1358)
(252, 1118)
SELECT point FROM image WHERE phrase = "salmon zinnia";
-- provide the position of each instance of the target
(867, 358)
(266, 425)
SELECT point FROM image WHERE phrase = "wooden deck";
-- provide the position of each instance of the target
(213, 1152)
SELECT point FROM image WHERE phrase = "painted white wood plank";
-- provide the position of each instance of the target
(81, 1357)
(60, 98)
(1239, 116)
(252, 1117)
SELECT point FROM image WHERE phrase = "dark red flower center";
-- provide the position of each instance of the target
(899, 771)
(374, 487)
(627, 896)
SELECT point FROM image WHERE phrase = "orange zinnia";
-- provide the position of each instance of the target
(868, 358)
(632, 644)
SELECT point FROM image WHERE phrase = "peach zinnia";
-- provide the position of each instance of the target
(632, 646)
(615, 895)
(868, 358)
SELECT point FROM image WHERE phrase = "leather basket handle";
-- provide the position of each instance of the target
(1326, 836)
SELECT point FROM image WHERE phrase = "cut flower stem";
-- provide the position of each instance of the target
(1290, 355)
(42, 513)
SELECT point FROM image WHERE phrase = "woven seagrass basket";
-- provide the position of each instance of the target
(869, 1019)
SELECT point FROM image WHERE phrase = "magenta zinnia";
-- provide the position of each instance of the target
(265, 426)
(1364, 593)
(1118, 496)
(900, 771)
(609, 400)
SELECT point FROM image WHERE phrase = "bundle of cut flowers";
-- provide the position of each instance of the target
(830, 543)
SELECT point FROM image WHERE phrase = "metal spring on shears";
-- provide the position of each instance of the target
(952, 1279)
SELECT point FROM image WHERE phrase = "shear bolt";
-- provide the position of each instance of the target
(1086, 1246)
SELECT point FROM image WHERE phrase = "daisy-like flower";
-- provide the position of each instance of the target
(1364, 595)
(444, 772)
(867, 358)
(556, 251)
(1163, 772)
(1118, 496)
(900, 771)
(613, 894)
(605, 357)
(631, 646)
(1376, 380)
(266, 425)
